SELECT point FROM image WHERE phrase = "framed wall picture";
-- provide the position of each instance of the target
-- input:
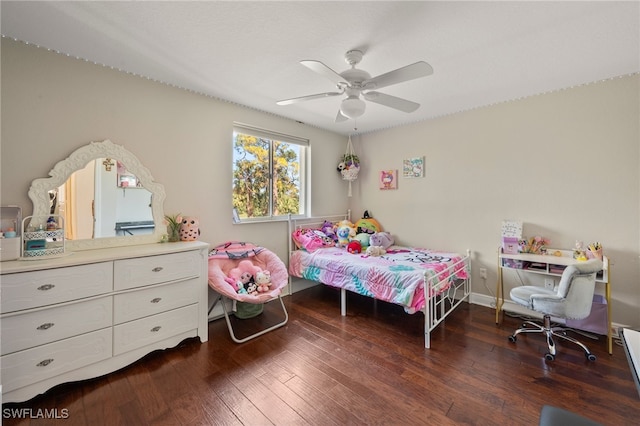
(413, 167)
(388, 179)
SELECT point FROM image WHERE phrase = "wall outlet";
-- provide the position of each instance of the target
(483, 273)
(549, 283)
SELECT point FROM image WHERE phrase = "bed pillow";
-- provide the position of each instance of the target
(311, 239)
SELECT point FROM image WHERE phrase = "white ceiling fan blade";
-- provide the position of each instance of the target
(391, 101)
(324, 70)
(410, 72)
(308, 98)
(340, 117)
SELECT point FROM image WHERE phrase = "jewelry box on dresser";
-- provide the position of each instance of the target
(107, 300)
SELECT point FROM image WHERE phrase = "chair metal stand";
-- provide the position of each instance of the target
(254, 335)
(549, 332)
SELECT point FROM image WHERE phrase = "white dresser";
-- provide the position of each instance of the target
(92, 312)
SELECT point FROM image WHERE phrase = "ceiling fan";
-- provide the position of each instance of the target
(358, 84)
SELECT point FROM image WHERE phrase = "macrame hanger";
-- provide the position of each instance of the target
(349, 151)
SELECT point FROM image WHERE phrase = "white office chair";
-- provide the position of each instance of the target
(571, 300)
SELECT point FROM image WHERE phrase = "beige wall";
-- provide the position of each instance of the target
(52, 105)
(564, 163)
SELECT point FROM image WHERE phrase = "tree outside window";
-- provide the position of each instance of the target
(268, 175)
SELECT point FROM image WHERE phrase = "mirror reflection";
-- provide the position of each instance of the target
(103, 200)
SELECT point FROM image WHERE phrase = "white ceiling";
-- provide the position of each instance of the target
(248, 52)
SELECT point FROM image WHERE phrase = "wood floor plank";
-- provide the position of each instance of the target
(367, 368)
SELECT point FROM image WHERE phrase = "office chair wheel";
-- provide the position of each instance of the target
(513, 338)
(549, 357)
(590, 357)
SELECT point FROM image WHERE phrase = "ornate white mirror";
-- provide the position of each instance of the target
(108, 198)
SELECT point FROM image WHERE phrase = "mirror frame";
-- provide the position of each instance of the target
(39, 192)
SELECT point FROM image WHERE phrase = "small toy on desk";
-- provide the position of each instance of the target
(579, 252)
(535, 245)
(595, 249)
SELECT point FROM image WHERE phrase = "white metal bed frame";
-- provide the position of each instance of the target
(436, 308)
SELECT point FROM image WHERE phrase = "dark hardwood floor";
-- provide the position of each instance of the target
(368, 368)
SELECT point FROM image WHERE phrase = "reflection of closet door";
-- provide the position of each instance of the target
(82, 203)
(106, 192)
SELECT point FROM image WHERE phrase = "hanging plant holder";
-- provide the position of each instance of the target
(349, 166)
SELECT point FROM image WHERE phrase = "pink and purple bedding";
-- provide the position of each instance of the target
(396, 277)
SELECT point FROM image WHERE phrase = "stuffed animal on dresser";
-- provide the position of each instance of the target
(189, 228)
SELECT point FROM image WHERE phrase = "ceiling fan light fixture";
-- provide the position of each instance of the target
(352, 107)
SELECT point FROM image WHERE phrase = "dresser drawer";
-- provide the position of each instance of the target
(143, 303)
(40, 288)
(45, 326)
(42, 362)
(142, 332)
(131, 273)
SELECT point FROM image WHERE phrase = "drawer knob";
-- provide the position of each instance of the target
(44, 362)
(157, 269)
(156, 329)
(45, 326)
(156, 300)
(46, 287)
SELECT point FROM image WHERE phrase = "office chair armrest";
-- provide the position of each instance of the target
(547, 303)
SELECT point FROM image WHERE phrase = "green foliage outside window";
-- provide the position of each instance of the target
(266, 177)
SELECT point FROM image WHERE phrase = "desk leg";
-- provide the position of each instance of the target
(499, 292)
(608, 297)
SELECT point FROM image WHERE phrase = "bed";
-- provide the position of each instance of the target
(420, 280)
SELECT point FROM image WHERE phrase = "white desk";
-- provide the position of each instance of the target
(631, 342)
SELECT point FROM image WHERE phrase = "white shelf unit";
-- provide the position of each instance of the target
(549, 265)
(51, 242)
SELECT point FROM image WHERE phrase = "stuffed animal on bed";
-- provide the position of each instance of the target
(189, 228)
(363, 238)
(344, 234)
(263, 281)
(354, 247)
(329, 230)
(367, 224)
(375, 251)
(383, 239)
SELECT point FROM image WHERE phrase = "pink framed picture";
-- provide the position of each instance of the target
(388, 179)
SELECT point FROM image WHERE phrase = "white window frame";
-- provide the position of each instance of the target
(304, 169)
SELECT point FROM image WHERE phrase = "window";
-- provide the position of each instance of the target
(268, 173)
